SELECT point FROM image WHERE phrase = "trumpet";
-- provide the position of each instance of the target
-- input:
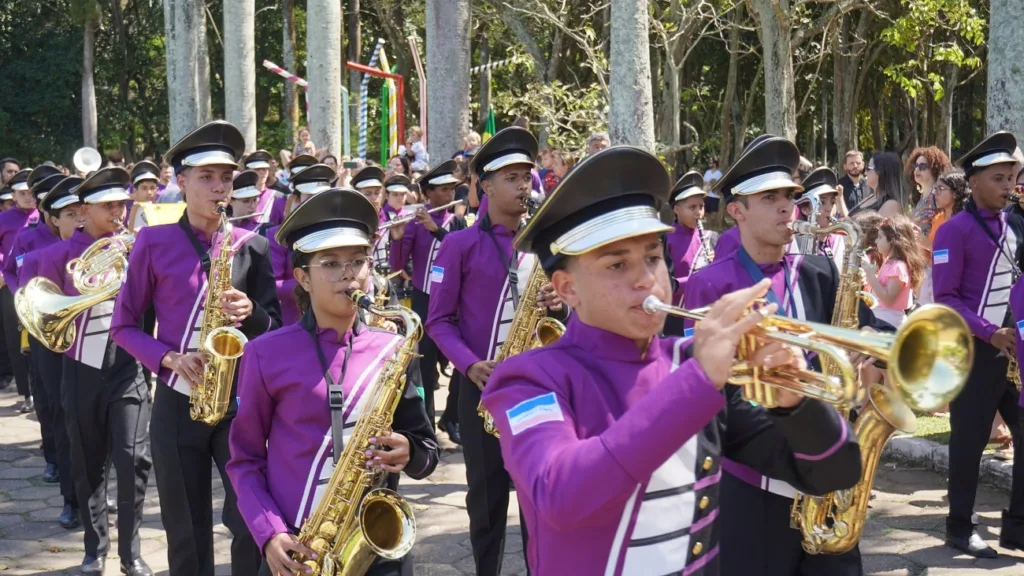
(929, 357)
(410, 218)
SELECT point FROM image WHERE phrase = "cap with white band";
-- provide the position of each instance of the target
(335, 218)
(314, 179)
(105, 185)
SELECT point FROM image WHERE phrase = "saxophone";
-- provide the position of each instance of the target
(705, 249)
(531, 328)
(357, 520)
(218, 339)
(833, 523)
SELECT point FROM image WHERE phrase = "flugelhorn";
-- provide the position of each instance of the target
(929, 357)
(410, 218)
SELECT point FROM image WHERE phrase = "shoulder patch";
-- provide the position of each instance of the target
(436, 274)
(940, 257)
(1020, 328)
(536, 410)
(19, 260)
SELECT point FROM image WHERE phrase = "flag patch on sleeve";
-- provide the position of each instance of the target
(536, 410)
(688, 333)
(19, 260)
(1020, 328)
(940, 257)
(436, 274)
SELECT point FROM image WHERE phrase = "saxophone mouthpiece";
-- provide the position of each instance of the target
(801, 227)
(360, 299)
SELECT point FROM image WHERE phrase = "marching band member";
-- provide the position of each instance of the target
(418, 242)
(612, 476)
(475, 288)
(310, 181)
(11, 221)
(283, 204)
(106, 400)
(975, 258)
(687, 249)
(61, 209)
(818, 205)
(34, 236)
(758, 191)
(145, 182)
(245, 199)
(259, 162)
(283, 438)
(168, 272)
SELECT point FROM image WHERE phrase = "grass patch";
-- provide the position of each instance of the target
(934, 428)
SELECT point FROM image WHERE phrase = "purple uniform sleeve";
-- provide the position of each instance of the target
(133, 300)
(553, 463)
(442, 317)
(284, 279)
(29, 268)
(248, 438)
(402, 249)
(948, 275)
(10, 271)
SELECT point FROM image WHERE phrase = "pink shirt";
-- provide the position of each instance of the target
(897, 269)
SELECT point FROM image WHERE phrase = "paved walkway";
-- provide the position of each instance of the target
(902, 537)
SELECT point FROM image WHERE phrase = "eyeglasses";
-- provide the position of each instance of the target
(334, 270)
(921, 167)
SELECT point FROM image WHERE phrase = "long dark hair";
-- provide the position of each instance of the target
(957, 183)
(301, 260)
(891, 184)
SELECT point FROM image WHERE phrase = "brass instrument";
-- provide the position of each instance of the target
(410, 218)
(705, 249)
(356, 519)
(833, 523)
(531, 328)
(929, 357)
(218, 339)
(49, 315)
(87, 160)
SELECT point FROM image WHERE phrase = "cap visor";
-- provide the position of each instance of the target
(689, 193)
(608, 234)
(257, 164)
(443, 179)
(112, 195)
(242, 194)
(62, 202)
(7, 196)
(209, 158)
(341, 237)
(369, 184)
(777, 183)
(507, 160)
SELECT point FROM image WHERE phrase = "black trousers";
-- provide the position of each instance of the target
(451, 407)
(49, 366)
(6, 370)
(183, 451)
(12, 341)
(107, 419)
(43, 406)
(428, 355)
(970, 419)
(756, 537)
(488, 485)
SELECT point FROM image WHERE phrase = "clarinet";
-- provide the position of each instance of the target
(705, 250)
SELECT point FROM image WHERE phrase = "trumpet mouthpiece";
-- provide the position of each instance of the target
(652, 305)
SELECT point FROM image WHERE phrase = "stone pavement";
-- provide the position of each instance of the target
(902, 537)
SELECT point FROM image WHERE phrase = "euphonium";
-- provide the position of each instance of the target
(356, 520)
(49, 315)
(218, 339)
(531, 328)
(928, 358)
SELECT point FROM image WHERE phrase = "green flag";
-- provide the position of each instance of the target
(489, 129)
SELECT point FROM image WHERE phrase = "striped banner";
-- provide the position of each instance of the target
(364, 90)
(289, 77)
(392, 107)
(492, 65)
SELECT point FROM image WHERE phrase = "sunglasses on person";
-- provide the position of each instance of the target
(921, 166)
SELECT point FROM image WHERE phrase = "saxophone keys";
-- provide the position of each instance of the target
(327, 532)
(841, 529)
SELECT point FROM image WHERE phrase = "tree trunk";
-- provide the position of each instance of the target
(354, 48)
(291, 94)
(182, 26)
(845, 68)
(323, 47)
(203, 70)
(1005, 109)
(631, 108)
(779, 91)
(484, 82)
(89, 121)
(448, 62)
(240, 68)
(944, 136)
(729, 97)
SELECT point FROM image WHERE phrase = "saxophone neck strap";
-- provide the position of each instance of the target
(204, 255)
(335, 390)
(513, 262)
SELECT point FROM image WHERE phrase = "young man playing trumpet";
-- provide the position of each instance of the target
(759, 192)
(169, 271)
(418, 242)
(612, 476)
(106, 400)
